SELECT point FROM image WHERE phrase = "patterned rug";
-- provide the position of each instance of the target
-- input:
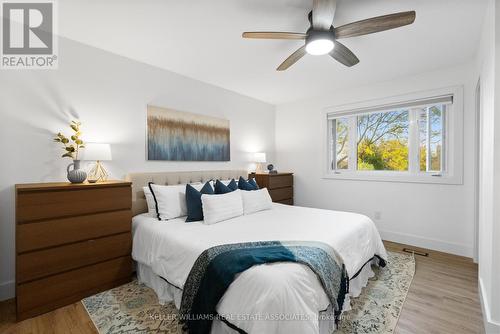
(134, 308)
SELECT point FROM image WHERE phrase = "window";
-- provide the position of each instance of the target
(406, 141)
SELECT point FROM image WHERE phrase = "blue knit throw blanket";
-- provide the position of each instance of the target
(216, 268)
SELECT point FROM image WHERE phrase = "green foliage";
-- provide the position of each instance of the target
(383, 155)
(370, 156)
(423, 154)
(72, 145)
(365, 166)
(395, 154)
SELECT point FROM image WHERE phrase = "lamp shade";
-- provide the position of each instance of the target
(259, 157)
(96, 152)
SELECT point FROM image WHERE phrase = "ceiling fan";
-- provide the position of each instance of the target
(322, 38)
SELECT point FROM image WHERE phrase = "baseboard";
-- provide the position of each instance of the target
(434, 244)
(490, 327)
(7, 290)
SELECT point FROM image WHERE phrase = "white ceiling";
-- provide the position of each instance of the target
(201, 39)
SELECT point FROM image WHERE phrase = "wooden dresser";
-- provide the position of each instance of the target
(72, 241)
(280, 186)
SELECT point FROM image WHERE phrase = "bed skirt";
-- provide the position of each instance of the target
(167, 293)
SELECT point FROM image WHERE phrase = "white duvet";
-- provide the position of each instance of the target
(265, 292)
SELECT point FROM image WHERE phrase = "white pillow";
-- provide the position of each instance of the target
(198, 186)
(256, 200)
(171, 200)
(217, 208)
(150, 200)
(226, 182)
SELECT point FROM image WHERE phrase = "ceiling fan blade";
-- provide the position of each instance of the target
(323, 13)
(292, 59)
(375, 24)
(274, 35)
(343, 55)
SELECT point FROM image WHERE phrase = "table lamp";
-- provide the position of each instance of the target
(259, 158)
(97, 152)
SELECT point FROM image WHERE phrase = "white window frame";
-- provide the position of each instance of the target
(452, 149)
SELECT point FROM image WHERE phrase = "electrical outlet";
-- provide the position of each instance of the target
(377, 215)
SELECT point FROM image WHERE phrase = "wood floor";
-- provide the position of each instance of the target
(443, 298)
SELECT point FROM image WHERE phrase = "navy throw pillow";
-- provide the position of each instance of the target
(253, 183)
(233, 184)
(221, 188)
(193, 201)
(247, 185)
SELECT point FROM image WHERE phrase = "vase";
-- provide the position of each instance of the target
(76, 175)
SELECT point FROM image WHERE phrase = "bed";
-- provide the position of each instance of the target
(280, 297)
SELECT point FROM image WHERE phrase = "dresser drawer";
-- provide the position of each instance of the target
(54, 291)
(280, 181)
(31, 236)
(51, 261)
(38, 205)
(281, 194)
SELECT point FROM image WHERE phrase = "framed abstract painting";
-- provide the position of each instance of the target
(183, 136)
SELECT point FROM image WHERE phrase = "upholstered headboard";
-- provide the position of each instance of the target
(140, 180)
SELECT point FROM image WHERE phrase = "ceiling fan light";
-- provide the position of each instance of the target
(318, 47)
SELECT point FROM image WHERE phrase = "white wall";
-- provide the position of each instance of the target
(428, 215)
(109, 94)
(488, 68)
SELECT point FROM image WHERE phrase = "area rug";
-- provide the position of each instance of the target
(134, 308)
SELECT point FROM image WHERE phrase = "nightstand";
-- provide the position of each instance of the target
(72, 241)
(279, 185)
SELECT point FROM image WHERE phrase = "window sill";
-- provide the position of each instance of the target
(401, 177)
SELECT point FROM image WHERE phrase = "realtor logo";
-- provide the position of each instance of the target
(28, 35)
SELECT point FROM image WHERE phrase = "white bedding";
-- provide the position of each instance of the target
(171, 248)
